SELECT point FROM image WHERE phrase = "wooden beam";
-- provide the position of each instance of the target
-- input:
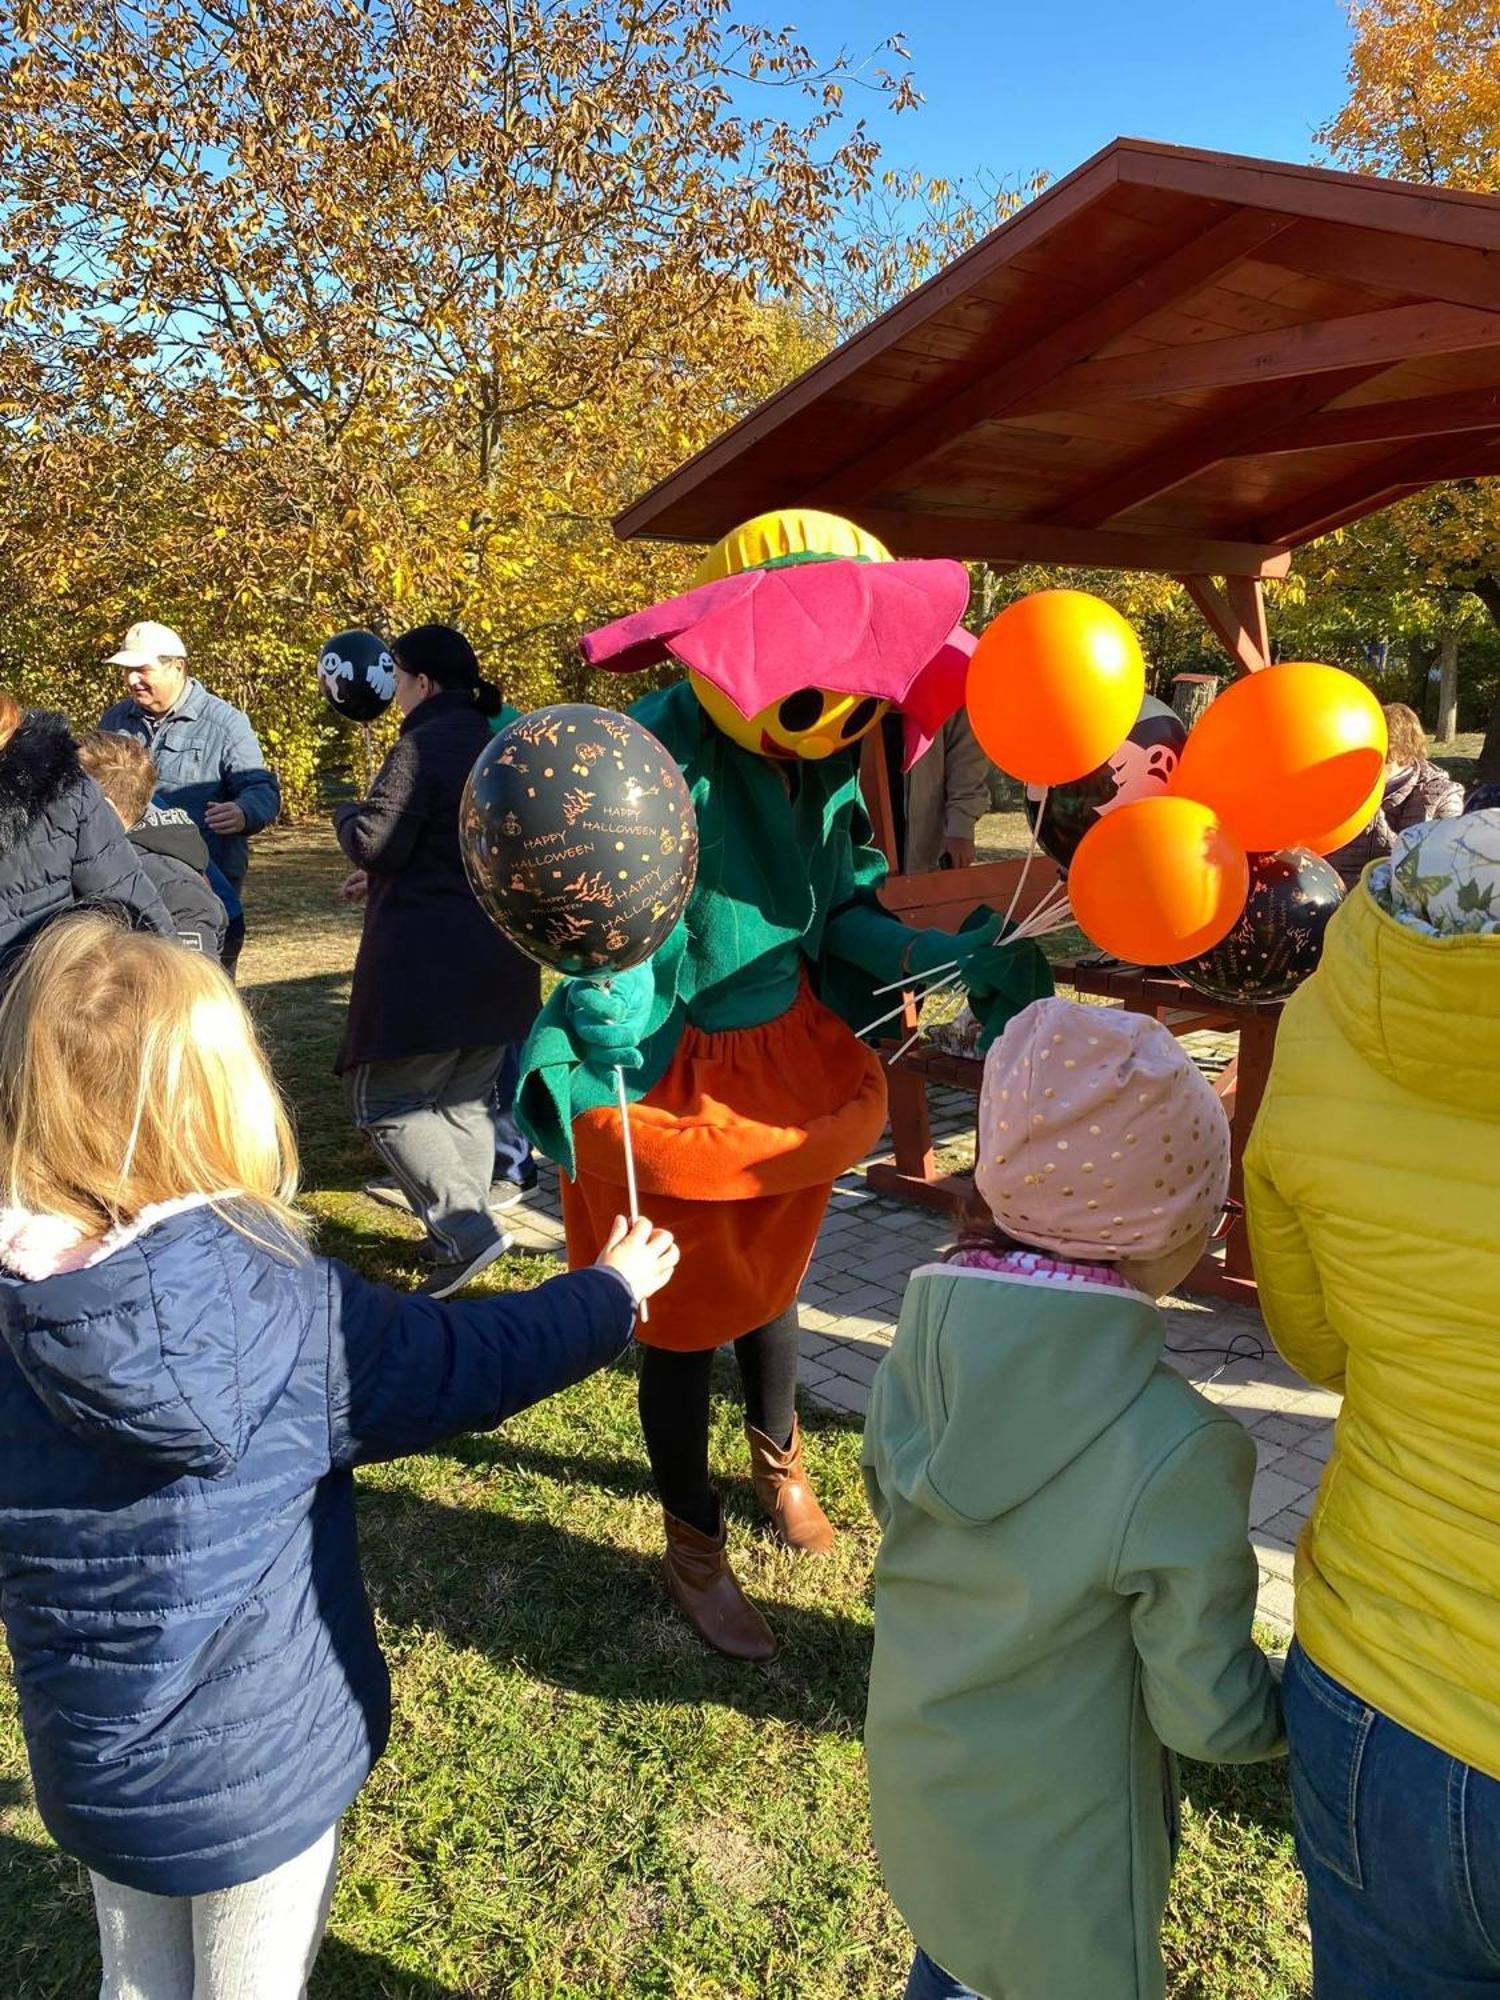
(1377, 423)
(1011, 379)
(1356, 510)
(1235, 615)
(1407, 208)
(1016, 235)
(1233, 427)
(1396, 333)
(985, 538)
(1425, 463)
(1340, 252)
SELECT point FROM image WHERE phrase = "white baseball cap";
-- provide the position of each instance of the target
(146, 644)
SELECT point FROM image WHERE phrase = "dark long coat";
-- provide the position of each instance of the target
(432, 973)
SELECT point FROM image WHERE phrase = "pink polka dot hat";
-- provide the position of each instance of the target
(1098, 1138)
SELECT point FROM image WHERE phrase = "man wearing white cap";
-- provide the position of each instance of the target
(207, 758)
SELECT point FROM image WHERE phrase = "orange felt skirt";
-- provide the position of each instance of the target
(736, 1151)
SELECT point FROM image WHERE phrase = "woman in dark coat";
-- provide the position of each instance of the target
(438, 993)
(1416, 789)
(61, 845)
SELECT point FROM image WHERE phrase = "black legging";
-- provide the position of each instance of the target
(673, 1401)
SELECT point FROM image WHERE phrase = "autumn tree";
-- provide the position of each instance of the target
(903, 229)
(1424, 105)
(314, 311)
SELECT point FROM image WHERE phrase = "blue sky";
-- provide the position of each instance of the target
(1012, 87)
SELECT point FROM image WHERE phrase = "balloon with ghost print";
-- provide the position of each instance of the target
(1278, 939)
(579, 838)
(1141, 768)
(357, 675)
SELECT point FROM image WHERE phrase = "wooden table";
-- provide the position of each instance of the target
(912, 1174)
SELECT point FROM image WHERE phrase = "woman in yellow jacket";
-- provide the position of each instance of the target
(1373, 1188)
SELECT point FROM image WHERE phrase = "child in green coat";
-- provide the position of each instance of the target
(1065, 1587)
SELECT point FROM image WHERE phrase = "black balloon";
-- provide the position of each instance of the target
(357, 675)
(1140, 769)
(580, 839)
(1279, 938)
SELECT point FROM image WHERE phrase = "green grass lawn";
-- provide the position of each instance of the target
(578, 1801)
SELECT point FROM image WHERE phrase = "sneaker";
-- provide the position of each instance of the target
(521, 1180)
(391, 1193)
(451, 1276)
(504, 1195)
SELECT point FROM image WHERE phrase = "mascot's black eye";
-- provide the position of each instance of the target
(859, 720)
(801, 710)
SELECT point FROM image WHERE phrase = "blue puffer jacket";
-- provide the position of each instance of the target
(201, 1688)
(61, 842)
(205, 750)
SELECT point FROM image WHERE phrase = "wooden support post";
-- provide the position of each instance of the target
(1252, 1073)
(1247, 600)
(1191, 694)
(915, 1165)
(875, 783)
(1236, 615)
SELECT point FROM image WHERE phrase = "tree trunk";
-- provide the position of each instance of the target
(1420, 655)
(1447, 712)
(1487, 590)
(1191, 694)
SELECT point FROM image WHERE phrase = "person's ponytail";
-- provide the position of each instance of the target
(11, 714)
(488, 698)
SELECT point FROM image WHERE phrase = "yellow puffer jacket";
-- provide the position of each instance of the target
(1373, 1189)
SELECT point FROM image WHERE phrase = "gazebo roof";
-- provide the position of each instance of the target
(1172, 360)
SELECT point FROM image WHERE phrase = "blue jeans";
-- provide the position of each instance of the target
(1400, 1844)
(512, 1149)
(928, 1981)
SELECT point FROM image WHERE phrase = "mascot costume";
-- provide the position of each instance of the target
(751, 1091)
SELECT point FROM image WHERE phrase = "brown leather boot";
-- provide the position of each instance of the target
(703, 1585)
(783, 1490)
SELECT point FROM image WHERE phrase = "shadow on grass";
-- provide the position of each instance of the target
(629, 1477)
(344, 1973)
(48, 1939)
(579, 1614)
(51, 1945)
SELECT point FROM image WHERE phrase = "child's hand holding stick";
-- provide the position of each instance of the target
(644, 1257)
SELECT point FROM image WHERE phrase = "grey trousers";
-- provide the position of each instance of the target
(430, 1118)
(256, 1942)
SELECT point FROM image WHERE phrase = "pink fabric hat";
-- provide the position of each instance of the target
(885, 629)
(1098, 1138)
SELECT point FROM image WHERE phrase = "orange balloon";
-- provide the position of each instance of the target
(1055, 686)
(1158, 881)
(1330, 843)
(1285, 753)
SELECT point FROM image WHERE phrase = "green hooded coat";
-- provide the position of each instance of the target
(1063, 1598)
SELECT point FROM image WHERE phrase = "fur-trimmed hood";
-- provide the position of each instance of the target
(37, 766)
(62, 846)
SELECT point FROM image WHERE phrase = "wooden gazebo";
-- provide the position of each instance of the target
(1172, 360)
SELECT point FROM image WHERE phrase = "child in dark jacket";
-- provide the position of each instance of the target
(61, 848)
(184, 1393)
(1065, 1588)
(122, 769)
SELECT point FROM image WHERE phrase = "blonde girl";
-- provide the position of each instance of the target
(185, 1390)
